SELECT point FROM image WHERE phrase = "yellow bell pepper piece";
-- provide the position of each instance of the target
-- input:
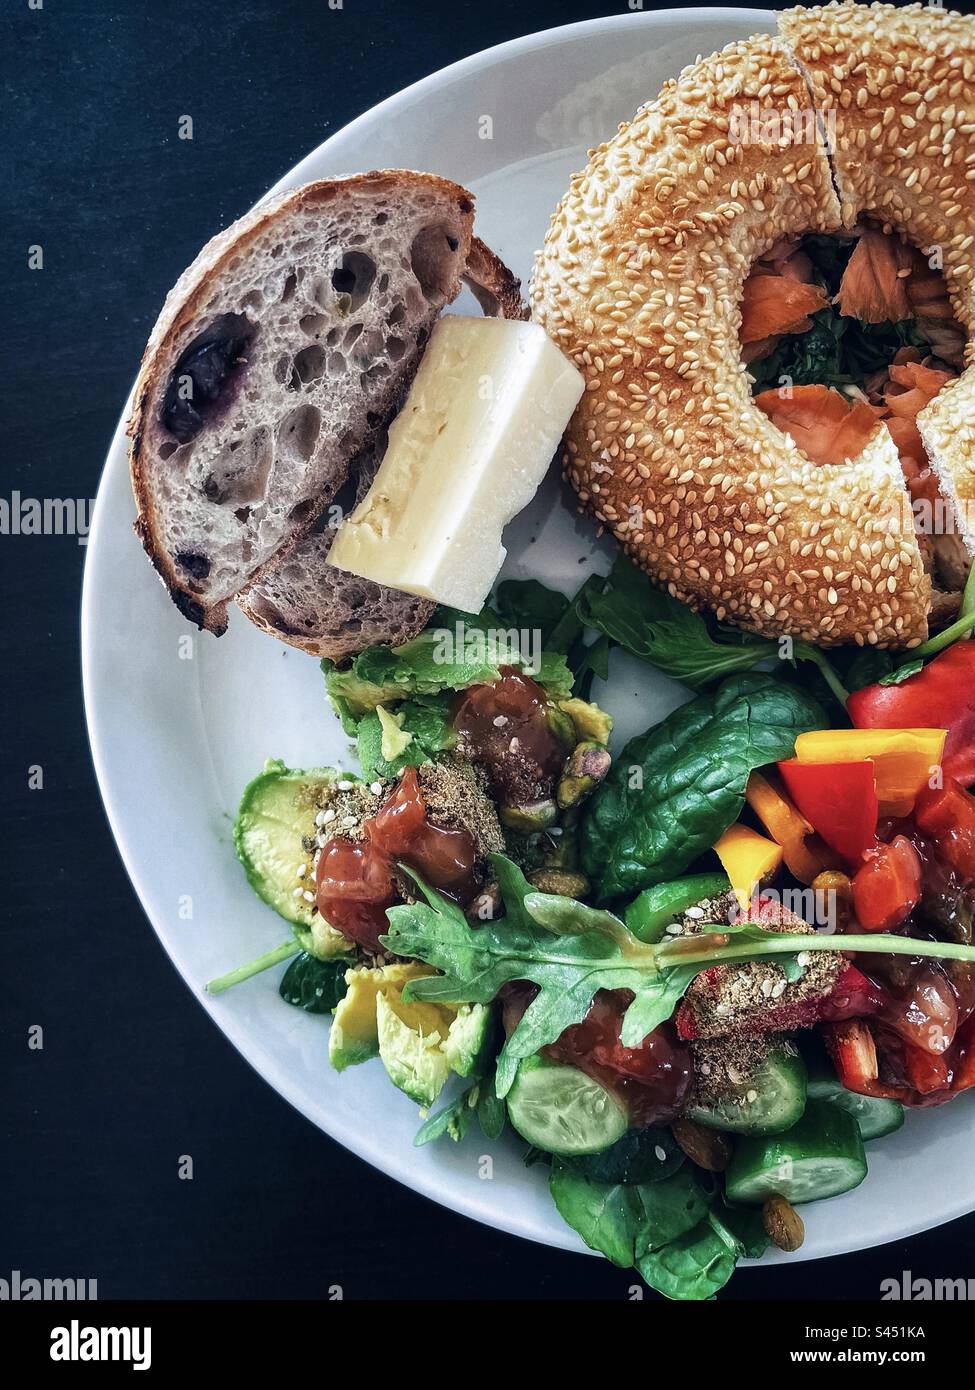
(804, 853)
(748, 859)
(903, 759)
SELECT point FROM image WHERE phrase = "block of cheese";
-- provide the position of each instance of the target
(467, 452)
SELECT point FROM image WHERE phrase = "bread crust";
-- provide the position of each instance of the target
(640, 281)
(183, 304)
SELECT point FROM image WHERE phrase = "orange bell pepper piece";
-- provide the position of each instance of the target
(748, 859)
(903, 759)
(805, 854)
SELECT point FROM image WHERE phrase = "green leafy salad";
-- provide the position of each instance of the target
(592, 956)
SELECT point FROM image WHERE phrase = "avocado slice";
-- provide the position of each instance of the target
(276, 810)
(420, 1043)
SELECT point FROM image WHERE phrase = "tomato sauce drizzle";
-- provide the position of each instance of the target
(356, 879)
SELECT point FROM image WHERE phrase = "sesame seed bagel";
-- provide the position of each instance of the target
(640, 281)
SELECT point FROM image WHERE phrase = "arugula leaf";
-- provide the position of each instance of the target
(651, 625)
(580, 950)
(477, 962)
(674, 790)
(454, 1119)
(634, 614)
(491, 1109)
(901, 673)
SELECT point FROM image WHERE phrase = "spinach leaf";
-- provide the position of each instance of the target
(867, 667)
(641, 1156)
(606, 1215)
(675, 789)
(700, 1260)
(694, 1266)
(527, 604)
(672, 1231)
(670, 1209)
(741, 1228)
(317, 986)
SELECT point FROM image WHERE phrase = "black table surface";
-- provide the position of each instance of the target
(132, 1075)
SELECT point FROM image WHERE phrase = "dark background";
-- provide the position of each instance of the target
(132, 1074)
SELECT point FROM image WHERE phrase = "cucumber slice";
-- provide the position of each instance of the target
(276, 810)
(770, 1101)
(561, 1110)
(875, 1115)
(819, 1157)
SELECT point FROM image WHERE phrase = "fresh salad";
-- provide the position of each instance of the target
(697, 979)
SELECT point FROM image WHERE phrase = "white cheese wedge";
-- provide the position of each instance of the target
(481, 423)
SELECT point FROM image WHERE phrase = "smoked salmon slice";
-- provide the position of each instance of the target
(773, 304)
(874, 284)
(912, 386)
(828, 428)
(886, 281)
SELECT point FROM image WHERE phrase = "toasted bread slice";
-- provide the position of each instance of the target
(278, 356)
(310, 604)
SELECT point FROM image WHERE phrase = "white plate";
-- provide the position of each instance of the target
(180, 721)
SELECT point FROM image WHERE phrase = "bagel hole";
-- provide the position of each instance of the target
(866, 317)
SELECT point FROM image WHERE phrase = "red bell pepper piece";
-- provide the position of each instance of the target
(887, 886)
(940, 696)
(933, 1080)
(853, 1049)
(926, 1072)
(947, 816)
(839, 800)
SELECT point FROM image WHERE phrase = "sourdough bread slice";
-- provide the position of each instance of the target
(278, 356)
(310, 604)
